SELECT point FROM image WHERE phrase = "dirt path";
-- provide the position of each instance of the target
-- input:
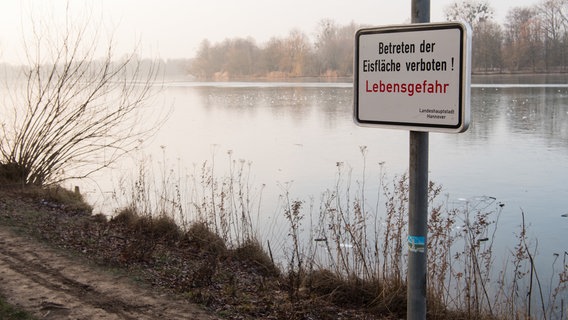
(54, 286)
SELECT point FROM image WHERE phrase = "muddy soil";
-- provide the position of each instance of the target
(54, 285)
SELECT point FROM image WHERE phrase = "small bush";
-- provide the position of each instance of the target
(206, 240)
(349, 292)
(323, 282)
(126, 217)
(253, 251)
(145, 233)
(162, 229)
(57, 197)
(71, 200)
(12, 174)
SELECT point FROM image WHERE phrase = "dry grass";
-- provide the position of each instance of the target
(253, 252)
(356, 253)
(55, 196)
(352, 291)
(356, 244)
(206, 240)
(356, 257)
(12, 174)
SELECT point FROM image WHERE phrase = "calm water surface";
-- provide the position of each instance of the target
(294, 134)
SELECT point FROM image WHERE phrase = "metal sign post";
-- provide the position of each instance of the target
(418, 202)
(417, 225)
(414, 77)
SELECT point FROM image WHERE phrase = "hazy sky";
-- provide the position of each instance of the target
(174, 28)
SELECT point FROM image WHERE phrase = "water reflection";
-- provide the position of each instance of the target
(295, 135)
(515, 149)
(535, 113)
(293, 102)
(520, 79)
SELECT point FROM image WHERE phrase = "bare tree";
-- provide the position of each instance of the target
(522, 39)
(487, 56)
(326, 45)
(240, 57)
(473, 12)
(273, 53)
(552, 14)
(486, 52)
(204, 64)
(79, 108)
(334, 47)
(296, 49)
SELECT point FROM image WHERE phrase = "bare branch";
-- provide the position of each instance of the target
(75, 107)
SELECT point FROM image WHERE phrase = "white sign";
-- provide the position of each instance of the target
(414, 77)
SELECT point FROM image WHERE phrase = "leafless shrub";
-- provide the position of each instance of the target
(353, 251)
(75, 112)
(296, 261)
(145, 233)
(205, 239)
(252, 251)
(224, 202)
(351, 242)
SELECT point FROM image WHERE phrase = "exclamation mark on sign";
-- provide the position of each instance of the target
(452, 63)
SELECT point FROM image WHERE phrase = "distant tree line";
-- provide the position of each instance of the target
(296, 55)
(532, 39)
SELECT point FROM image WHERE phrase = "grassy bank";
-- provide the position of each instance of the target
(196, 238)
(235, 282)
(346, 242)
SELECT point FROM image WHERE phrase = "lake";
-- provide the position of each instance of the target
(294, 135)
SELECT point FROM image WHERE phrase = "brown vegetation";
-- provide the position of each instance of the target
(531, 39)
(201, 243)
(234, 283)
(70, 112)
(360, 274)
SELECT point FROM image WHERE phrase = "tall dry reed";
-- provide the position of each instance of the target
(358, 241)
(225, 202)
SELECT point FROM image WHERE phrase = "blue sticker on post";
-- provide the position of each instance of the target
(416, 244)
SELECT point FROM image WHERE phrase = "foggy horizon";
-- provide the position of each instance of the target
(174, 29)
